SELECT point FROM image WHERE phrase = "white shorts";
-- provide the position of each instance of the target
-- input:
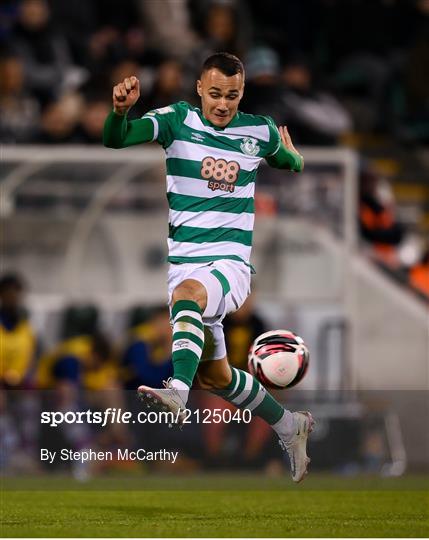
(227, 284)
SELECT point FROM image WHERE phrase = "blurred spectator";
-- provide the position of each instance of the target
(9, 435)
(342, 25)
(295, 31)
(379, 77)
(138, 49)
(419, 275)
(17, 338)
(313, 116)
(83, 374)
(168, 26)
(104, 50)
(147, 357)
(18, 352)
(76, 21)
(80, 320)
(121, 19)
(83, 361)
(92, 117)
(60, 119)
(19, 111)
(8, 15)
(414, 114)
(84, 356)
(220, 31)
(45, 53)
(168, 86)
(95, 31)
(263, 93)
(377, 220)
(363, 62)
(93, 26)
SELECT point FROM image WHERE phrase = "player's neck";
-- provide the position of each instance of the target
(207, 122)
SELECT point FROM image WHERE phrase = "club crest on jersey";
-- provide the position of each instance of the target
(250, 146)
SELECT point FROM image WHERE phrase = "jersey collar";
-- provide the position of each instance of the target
(217, 128)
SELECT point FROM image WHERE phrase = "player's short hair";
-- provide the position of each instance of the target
(226, 63)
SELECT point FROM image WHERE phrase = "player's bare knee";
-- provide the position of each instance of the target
(190, 289)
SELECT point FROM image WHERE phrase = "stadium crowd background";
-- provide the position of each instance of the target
(336, 72)
(360, 63)
(350, 73)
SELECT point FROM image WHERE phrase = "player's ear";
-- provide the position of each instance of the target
(199, 88)
(242, 88)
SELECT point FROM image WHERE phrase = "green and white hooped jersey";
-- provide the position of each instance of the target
(211, 176)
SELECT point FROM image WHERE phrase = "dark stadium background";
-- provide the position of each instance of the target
(342, 253)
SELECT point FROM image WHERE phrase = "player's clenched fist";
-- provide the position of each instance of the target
(125, 94)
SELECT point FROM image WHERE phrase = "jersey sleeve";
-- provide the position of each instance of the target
(119, 132)
(275, 139)
(277, 155)
(167, 121)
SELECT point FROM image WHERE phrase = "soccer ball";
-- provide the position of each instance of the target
(278, 359)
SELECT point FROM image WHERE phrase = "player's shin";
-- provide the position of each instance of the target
(246, 392)
(188, 343)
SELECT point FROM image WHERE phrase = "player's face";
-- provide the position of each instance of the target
(220, 96)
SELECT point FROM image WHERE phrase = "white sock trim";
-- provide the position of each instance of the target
(188, 313)
(182, 387)
(188, 327)
(244, 394)
(258, 399)
(237, 375)
(285, 427)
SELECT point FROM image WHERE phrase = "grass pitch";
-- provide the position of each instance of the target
(215, 505)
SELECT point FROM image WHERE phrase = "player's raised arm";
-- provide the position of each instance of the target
(118, 131)
(286, 156)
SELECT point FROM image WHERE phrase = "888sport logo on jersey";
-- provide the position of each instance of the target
(221, 174)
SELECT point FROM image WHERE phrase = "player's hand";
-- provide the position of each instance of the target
(286, 140)
(125, 95)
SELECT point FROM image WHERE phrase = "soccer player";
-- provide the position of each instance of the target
(213, 154)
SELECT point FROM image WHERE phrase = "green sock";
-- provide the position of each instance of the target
(246, 392)
(188, 340)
